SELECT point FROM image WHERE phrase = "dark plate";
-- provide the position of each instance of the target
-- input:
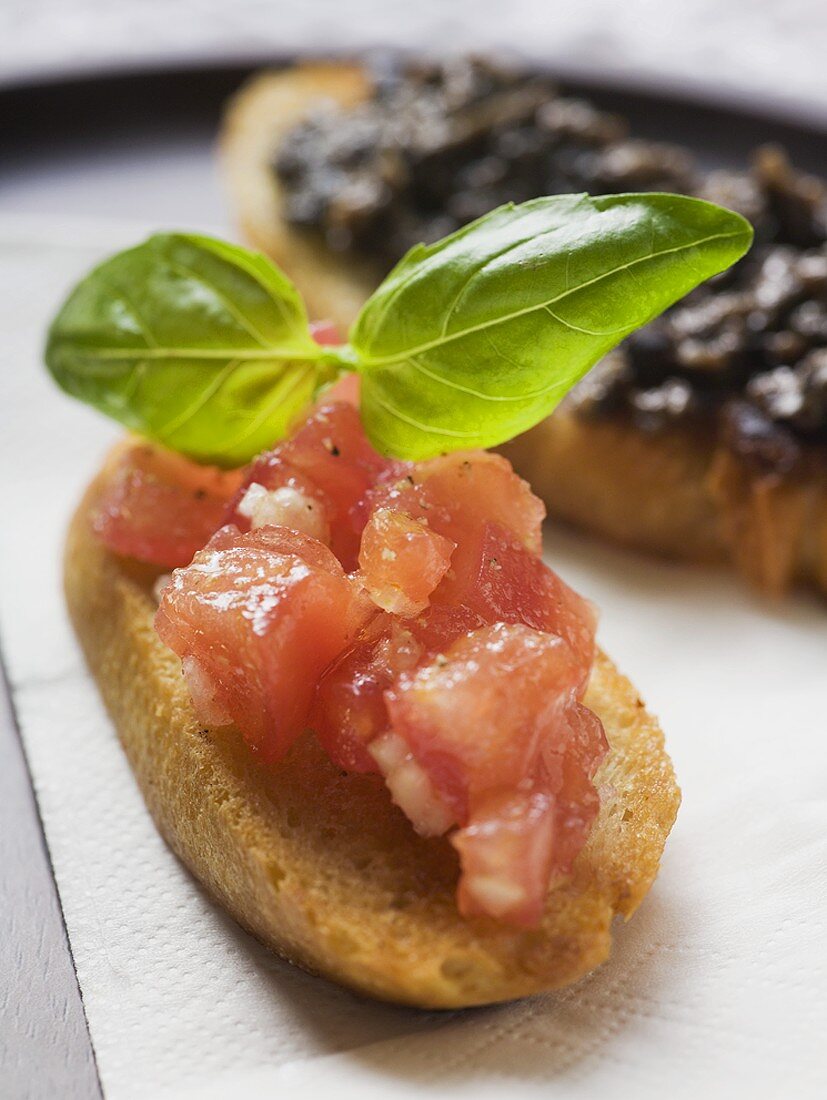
(162, 102)
(163, 125)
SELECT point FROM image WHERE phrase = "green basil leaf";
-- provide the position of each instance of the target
(473, 340)
(196, 343)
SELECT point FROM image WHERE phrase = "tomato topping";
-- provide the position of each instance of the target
(262, 614)
(451, 660)
(507, 856)
(570, 774)
(402, 561)
(350, 709)
(160, 508)
(509, 764)
(329, 460)
(459, 493)
(466, 722)
(498, 578)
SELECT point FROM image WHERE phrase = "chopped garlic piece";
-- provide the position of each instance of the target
(159, 586)
(409, 785)
(496, 896)
(202, 692)
(285, 507)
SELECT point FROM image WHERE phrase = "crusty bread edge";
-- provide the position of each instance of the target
(229, 820)
(334, 286)
(679, 494)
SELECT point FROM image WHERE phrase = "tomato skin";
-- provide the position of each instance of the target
(263, 613)
(159, 507)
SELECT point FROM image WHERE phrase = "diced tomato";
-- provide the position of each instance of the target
(513, 766)
(459, 493)
(516, 842)
(350, 709)
(330, 459)
(507, 852)
(402, 560)
(158, 507)
(262, 614)
(497, 577)
(465, 721)
(569, 772)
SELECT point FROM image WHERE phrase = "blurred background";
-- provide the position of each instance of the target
(749, 47)
(79, 152)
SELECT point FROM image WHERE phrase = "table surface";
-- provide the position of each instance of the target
(44, 1043)
(45, 1049)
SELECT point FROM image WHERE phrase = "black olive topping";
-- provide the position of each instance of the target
(439, 144)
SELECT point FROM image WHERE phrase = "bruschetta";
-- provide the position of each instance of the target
(360, 705)
(705, 440)
(318, 863)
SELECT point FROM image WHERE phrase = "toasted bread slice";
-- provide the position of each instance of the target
(320, 865)
(681, 495)
(674, 494)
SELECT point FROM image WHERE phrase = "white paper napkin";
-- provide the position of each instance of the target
(718, 985)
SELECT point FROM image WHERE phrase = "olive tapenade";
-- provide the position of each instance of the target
(440, 144)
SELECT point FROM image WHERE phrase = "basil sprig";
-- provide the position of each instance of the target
(205, 346)
(198, 344)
